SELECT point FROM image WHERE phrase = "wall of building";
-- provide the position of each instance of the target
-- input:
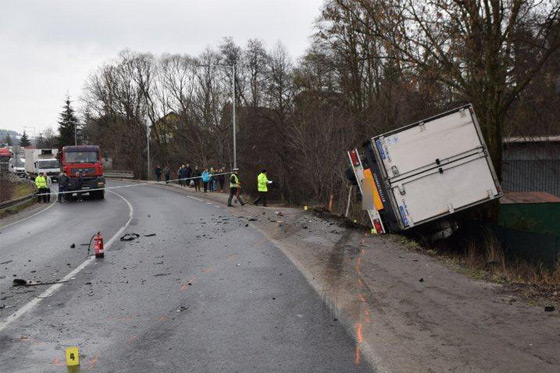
(532, 167)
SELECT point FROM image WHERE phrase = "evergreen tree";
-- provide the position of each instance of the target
(24, 141)
(68, 126)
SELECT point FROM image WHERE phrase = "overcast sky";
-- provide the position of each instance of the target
(50, 47)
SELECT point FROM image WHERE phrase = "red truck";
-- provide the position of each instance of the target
(84, 166)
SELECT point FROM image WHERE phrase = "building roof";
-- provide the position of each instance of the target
(528, 197)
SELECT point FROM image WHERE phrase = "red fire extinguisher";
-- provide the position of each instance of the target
(98, 245)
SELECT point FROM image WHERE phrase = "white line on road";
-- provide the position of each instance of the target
(29, 217)
(196, 199)
(53, 288)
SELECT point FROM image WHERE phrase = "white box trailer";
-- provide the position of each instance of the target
(42, 160)
(431, 169)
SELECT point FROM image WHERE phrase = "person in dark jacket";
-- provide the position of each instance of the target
(221, 179)
(188, 172)
(182, 172)
(79, 184)
(157, 171)
(63, 181)
(196, 178)
(167, 173)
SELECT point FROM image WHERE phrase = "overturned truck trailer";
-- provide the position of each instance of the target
(425, 172)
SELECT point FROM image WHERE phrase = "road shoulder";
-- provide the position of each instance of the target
(406, 309)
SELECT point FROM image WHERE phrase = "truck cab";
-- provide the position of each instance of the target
(84, 166)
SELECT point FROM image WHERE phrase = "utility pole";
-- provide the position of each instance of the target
(234, 124)
(148, 130)
(75, 133)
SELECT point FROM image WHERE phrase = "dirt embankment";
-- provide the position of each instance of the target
(408, 311)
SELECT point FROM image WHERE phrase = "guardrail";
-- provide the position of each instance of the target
(119, 174)
(17, 201)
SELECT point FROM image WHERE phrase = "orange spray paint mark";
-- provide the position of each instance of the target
(358, 341)
(132, 338)
(58, 363)
(184, 287)
(231, 257)
(163, 318)
(362, 298)
(92, 363)
(367, 318)
(358, 263)
(361, 283)
(207, 270)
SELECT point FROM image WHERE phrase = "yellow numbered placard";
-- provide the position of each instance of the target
(72, 356)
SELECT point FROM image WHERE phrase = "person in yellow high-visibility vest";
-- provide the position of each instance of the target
(41, 184)
(262, 186)
(234, 188)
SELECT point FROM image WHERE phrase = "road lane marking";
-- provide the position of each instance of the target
(29, 217)
(53, 288)
(196, 199)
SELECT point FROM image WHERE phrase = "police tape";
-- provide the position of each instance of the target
(144, 183)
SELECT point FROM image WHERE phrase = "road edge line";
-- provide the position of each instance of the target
(53, 288)
(29, 217)
(348, 325)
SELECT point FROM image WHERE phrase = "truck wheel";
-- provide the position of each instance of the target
(101, 194)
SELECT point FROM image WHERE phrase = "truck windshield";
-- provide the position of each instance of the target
(81, 157)
(48, 164)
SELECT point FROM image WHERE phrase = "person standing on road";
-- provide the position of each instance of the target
(205, 179)
(262, 186)
(196, 178)
(234, 188)
(167, 173)
(79, 185)
(188, 173)
(157, 171)
(182, 175)
(212, 180)
(221, 178)
(62, 185)
(49, 184)
(41, 184)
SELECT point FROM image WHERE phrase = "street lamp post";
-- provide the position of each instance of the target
(148, 130)
(234, 123)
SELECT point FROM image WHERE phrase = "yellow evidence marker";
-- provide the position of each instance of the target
(72, 356)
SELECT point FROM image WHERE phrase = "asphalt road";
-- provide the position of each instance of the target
(207, 293)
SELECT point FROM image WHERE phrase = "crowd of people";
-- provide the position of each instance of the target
(214, 180)
(211, 179)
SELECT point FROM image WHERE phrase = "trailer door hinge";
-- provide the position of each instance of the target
(450, 208)
(462, 112)
(395, 171)
(422, 126)
(401, 189)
